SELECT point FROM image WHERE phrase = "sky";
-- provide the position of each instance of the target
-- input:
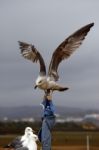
(45, 24)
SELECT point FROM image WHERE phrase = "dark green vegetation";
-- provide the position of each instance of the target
(18, 127)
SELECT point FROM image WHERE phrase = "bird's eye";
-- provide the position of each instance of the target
(40, 81)
(28, 129)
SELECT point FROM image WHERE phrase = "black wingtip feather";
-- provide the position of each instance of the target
(89, 26)
(92, 24)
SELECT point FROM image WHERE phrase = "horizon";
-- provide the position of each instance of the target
(56, 106)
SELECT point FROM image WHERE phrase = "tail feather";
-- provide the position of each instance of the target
(63, 89)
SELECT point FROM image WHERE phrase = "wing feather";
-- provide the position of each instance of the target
(29, 52)
(66, 48)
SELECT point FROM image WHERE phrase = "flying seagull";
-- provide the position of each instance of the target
(63, 51)
(25, 142)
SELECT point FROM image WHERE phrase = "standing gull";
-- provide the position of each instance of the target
(63, 51)
(25, 142)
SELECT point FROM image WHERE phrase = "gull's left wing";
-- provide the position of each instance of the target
(29, 52)
(66, 48)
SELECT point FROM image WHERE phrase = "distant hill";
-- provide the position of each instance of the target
(20, 112)
(36, 112)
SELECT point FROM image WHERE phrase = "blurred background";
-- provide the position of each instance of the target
(45, 24)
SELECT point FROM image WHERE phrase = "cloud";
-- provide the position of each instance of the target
(46, 24)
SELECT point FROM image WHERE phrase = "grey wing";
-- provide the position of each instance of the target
(16, 143)
(66, 48)
(29, 52)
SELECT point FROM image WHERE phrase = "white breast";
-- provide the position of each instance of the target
(32, 145)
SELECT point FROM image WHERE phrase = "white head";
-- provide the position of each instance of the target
(28, 132)
(41, 80)
(28, 129)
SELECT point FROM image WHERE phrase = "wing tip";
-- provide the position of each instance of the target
(91, 24)
(19, 42)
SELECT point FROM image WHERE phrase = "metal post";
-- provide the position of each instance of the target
(87, 142)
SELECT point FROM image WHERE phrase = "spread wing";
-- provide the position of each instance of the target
(66, 48)
(29, 52)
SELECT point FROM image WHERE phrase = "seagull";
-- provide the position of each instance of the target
(48, 82)
(25, 142)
